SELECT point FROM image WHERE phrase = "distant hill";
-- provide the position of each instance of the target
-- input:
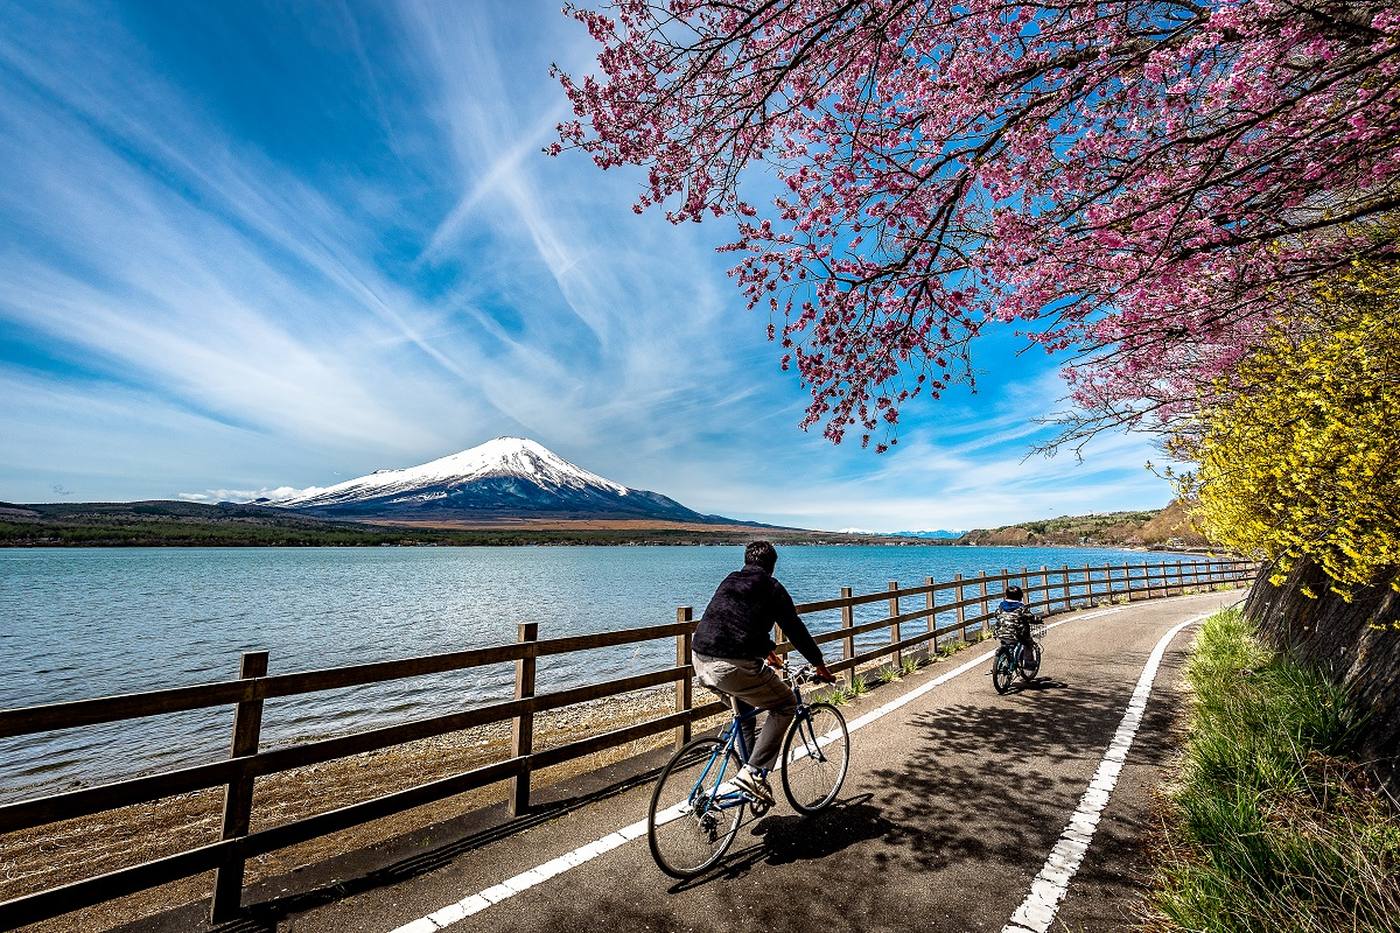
(161, 523)
(1167, 527)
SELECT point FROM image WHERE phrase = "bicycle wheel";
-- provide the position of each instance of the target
(1003, 670)
(816, 756)
(1030, 663)
(694, 816)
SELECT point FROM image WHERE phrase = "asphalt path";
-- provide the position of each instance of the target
(953, 803)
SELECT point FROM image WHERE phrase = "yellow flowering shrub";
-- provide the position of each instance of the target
(1300, 457)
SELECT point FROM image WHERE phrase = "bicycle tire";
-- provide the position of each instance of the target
(828, 719)
(693, 753)
(1003, 670)
(1030, 671)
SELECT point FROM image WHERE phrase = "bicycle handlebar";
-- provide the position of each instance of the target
(804, 674)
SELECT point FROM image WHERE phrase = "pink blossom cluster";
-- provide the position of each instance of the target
(1145, 186)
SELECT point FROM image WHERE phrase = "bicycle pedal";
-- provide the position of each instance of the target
(759, 807)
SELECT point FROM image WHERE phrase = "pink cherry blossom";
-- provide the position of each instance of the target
(1141, 185)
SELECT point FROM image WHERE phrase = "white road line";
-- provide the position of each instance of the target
(1038, 910)
(476, 903)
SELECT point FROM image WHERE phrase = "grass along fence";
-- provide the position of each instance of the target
(949, 608)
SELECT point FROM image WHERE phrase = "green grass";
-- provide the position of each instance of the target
(1273, 827)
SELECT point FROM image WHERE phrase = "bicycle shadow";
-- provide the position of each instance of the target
(789, 837)
(1037, 683)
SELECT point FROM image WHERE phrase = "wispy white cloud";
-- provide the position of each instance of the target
(249, 495)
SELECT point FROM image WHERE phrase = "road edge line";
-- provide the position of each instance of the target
(1037, 912)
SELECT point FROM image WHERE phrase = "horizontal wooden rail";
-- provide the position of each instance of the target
(27, 813)
(1061, 589)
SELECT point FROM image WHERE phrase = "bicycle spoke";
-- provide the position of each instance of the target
(694, 813)
(815, 757)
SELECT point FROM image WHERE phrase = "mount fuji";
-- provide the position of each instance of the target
(507, 479)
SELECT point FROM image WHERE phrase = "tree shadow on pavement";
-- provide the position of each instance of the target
(983, 782)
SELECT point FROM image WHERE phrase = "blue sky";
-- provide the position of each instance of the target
(246, 246)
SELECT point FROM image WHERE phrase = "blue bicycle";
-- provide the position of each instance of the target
(696, 811)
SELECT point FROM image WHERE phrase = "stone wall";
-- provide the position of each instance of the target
(1357, 643)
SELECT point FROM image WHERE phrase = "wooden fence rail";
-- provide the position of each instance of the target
(968, 604)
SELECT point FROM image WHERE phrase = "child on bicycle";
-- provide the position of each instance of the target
(1013, 605)
(733, 653)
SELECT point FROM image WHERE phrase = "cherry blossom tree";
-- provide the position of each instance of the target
(1141, 186)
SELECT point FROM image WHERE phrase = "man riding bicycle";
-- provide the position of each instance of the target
(733, 653)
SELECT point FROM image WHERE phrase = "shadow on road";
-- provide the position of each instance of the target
(1038, 683)
(983, 781)
(788, 838)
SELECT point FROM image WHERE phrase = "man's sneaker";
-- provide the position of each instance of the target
(753, 783)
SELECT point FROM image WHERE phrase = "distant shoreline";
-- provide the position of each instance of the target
(160, 523)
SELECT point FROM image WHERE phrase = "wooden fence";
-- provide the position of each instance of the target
(967, 604)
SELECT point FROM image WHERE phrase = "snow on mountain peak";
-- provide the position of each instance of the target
(506, 457)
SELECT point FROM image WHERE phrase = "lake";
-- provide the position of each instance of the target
(79, 622)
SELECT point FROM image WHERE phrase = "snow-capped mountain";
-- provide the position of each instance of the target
(507, 477)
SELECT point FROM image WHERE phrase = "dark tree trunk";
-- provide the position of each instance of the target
(1356, 643)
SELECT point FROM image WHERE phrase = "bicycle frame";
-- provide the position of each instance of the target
(733, 736)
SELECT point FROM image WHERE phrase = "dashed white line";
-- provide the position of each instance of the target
(476, 903)
(1038, 910)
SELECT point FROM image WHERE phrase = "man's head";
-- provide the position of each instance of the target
(1014, 593)
(760, 554)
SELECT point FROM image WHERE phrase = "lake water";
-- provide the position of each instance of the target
(78, 623)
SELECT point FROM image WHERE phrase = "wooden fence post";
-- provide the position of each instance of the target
(1180, 581)
(1045, 587)
(930, 646)
(227, 900)
(1089, 585)
(522, 733)
(962, 615)
(1064, 578)
(894, 627)
(684, 686)
(848, 643)
(986, 622)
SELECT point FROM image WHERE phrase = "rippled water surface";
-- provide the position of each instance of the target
(77, 623)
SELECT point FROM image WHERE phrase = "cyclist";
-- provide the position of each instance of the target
(733, 656)
(1014, 604)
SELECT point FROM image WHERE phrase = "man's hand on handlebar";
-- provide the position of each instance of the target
(819, 673)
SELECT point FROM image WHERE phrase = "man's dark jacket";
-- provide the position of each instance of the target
(738, 622)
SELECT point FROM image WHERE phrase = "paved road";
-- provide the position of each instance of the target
(951, 807)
